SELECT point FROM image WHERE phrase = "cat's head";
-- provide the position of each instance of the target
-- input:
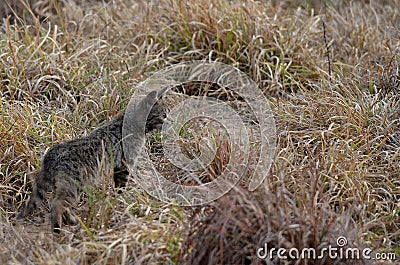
(146, 114)
(157, 113)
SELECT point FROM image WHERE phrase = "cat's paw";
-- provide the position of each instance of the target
(27, 210)
(59, 215)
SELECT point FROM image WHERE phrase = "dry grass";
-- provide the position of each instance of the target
(67, 66)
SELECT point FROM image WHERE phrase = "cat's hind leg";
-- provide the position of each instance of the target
(65, 197)
(40, 188)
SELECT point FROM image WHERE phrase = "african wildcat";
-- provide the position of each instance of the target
(76, 163)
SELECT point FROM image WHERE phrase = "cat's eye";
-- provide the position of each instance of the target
(164, 115)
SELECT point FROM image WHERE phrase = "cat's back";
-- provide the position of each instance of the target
(72, 153)
(82, 155)
(86, 145)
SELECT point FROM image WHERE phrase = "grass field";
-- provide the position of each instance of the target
(329, 69)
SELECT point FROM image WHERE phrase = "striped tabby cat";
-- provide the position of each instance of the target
(74, 164)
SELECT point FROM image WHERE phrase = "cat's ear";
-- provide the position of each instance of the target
(157, 94)
(162, 92)
(152, 95)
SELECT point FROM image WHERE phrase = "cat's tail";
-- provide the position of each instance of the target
(41, 187)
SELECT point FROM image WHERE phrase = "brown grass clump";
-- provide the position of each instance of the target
(242, 222)
(68, 66)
